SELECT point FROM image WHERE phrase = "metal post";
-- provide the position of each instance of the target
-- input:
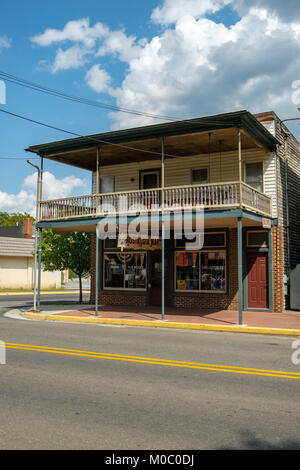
(96, 275)
(37, 216)
(39, 271)
(162, 229)
(240, 268)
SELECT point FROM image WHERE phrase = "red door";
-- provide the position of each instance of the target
(257, 280)
(155, 279)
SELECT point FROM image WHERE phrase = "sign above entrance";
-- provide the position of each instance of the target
(148, 243)
(266, 223)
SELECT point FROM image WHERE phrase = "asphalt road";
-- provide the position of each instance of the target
(55, 399)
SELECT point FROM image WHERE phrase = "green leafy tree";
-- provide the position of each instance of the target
(67, 251)
(11, 220)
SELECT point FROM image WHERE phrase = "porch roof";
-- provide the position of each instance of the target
(182, 138)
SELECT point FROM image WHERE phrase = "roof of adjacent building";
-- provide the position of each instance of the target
(14, 232)
(16, 247)
(182, 138)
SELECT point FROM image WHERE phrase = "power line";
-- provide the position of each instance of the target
(34, 86)
(40, 88)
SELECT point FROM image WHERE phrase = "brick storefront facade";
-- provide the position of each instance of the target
(227, 301)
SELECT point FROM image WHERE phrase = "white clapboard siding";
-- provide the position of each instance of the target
(221, 168)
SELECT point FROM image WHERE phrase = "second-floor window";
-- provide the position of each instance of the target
(254, 175)
(200, 176)
(107, 184)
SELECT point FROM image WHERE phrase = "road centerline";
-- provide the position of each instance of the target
(155, 361)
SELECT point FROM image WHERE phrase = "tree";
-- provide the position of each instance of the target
(67, 251)
(11, 220)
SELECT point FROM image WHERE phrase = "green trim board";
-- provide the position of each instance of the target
(212, 214)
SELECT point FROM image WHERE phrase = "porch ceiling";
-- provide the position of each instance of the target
(183, 138)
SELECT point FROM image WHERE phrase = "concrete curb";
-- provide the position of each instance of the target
(162, 324)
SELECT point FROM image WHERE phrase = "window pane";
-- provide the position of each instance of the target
(187, 271)
(214, 239)
(254, 175)
(114, 270)
(107, 184)
(200, 176)
(150, 181)
(258, 239)
(135, 270)
(213, 271)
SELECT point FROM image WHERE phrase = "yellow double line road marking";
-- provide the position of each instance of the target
(156, 361)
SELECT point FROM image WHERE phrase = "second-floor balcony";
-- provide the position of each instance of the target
(209, 196)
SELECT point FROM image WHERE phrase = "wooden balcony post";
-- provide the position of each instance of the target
(97, 179)
(240, 165)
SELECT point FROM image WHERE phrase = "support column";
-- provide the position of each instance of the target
(240, 268)
(39, 271)
(162, 229)
(97, 276)
(97, 240)
(240, 165)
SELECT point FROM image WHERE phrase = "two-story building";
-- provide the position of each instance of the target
(242, 169)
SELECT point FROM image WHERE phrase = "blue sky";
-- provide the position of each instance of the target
(183, 58)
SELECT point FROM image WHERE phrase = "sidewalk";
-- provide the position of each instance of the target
(221, 320)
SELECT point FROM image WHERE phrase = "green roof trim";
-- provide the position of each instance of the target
(242, 119)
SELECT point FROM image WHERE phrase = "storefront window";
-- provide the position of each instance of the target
(209, 275)
(125, 270)
(187, 271)
(114, 271)
(213, 271)
(135, 270)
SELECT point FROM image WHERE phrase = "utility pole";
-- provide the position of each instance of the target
(35, 231)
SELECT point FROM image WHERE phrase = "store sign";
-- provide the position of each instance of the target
(149, 243)
(266, 223)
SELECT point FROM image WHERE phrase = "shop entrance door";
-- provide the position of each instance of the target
(258, 280)
(155, 279)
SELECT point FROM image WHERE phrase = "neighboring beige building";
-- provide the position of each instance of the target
(17, 264)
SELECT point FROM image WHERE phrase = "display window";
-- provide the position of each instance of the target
(125, 270)
(203, 271)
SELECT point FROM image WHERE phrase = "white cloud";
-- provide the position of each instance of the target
(201, 67)
(173, 10)
(288, 10)
(53, 188)
(98, 79)
(116, 42)
(72, 58)
(194, 66)
(5, 43)
(75, 31)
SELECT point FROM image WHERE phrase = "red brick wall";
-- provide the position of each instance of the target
(278, 269)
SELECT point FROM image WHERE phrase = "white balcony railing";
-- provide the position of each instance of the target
(209, 196)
